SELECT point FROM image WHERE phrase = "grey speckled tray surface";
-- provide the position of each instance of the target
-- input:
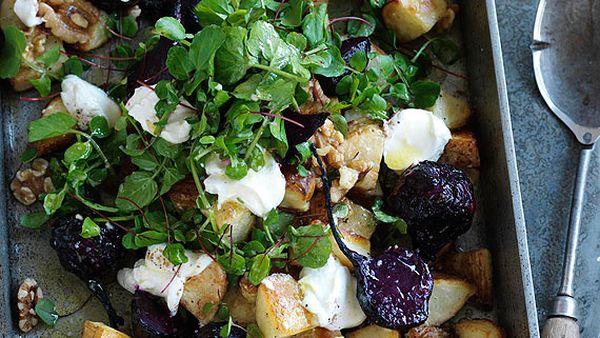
(28, 254)
(547, 158)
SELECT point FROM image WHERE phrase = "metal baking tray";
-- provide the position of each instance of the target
(500, 226)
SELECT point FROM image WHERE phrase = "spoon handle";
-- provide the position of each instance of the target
(562, 321)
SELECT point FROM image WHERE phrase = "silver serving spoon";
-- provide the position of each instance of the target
(566, 61)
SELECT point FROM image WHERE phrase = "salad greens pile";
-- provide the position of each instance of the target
(251, 61)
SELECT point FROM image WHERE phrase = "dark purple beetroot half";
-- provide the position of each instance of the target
(394, 287)
(437, 202)
(150, 318)
(297, 134)
(88, 258)
(213, 330)
(348, 48)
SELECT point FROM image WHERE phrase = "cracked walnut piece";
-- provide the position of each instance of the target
(29, 183)
(27, 297)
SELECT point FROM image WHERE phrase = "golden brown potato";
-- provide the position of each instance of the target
(373, 331)
(455, 111)
(236, 215)
(478, 328)
(359, 221)
(461, 151)
(242, 311)
(353, 241)
(410, 19)
(247, 289)
(208, 287)
(427, 332)
(319, 332)
(183, 194)
(279, 310)
(99, 330)
(476, 267)
(298, 190)
(449, 295)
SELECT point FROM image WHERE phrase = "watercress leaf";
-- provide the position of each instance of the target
(314, 26)
(133, 145)
(89, 228)
(446, 50)
(233, 263)
(43, 85)
(165, 148)
(231, 59)
(145, 161)
(99, 127)
(50, 56)
(78, 151)
(400, 92)
(310, 245)
(291, 15)
(237, 169)
(95, 177)
(204, 46)
(358, 61)
(340, 123)
(76, 177)
(53, 201)
(259, 269)
(425, 93)
(358, 28)
(149, 237)
(28, 155)
(178, 62)
(34, 220)
(139, 188)
(377, 3)
(297, 40)
(213, 12)
(127, 26)
(335, 65)
(12, 51)
(225, 330)
(263, 40)
(171, 175)
(50, 126)
(170, 28)
(128, 241)
(380, 215)
(46, 311)
(175, 253)
(247, 89)
(73, 66)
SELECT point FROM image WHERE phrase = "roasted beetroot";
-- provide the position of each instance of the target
(213, 330)
(304, 128)
(348, 49)
(88, 258)
(394, 287)
(437, 202)
(150, 318)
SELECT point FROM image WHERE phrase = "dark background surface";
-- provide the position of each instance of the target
(547, 155)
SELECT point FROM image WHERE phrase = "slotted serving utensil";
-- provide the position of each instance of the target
(566, 48)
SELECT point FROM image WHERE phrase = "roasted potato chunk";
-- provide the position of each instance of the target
(449, 295)
(427, 332)
(478, 328)
(372, 331)
(279, 310)
(461, 151)
(354, 242)
(455, 111)
(319, 332)
(183, 194)
(298, 189)
(236, 215)
(208, 287)
(476, 267)
(99, 330)
(410, 19)
(242, 311)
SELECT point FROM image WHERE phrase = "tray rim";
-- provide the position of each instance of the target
(7, 326)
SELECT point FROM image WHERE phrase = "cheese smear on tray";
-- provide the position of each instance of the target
(412, 136)
(85, 101)
(330, 294)
(26, 11)
(260, 191)
(156, 275)
(141, 107)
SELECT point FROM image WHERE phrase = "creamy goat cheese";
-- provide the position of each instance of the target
(412, 136)
(141, 107)
(84, 101)
(26, 11)
(156, 275)
(330, 293)
(260, 191)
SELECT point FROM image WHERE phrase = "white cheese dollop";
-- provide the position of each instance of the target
(260, 191)
(412, 136)
(156, 275)
(330, 294)
(141, 107)
(84, 101)
(26, 11)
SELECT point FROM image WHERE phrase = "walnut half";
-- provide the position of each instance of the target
(27, 297)
(29, 183)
